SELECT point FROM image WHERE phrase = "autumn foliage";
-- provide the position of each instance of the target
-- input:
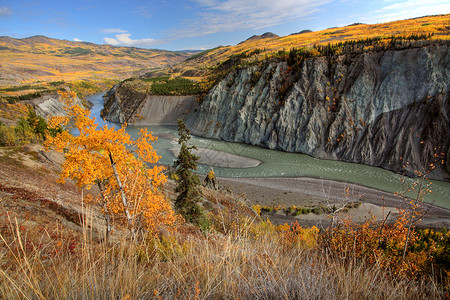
(130, 191)
(378, 244)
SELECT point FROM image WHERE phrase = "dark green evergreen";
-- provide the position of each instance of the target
(38, 123)
(174, 86)
(188, 183)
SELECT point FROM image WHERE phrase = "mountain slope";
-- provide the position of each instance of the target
(39, 58)
(204, 65)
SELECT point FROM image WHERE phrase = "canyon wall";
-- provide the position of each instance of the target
(124, 105)
(388, 108)
(51, 105)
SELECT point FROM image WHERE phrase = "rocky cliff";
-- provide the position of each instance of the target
(51, 105)
(127, 105)
(385, 108)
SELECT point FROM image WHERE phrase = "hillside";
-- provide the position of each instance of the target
(53, 245)
(260, 48)
(39, 58)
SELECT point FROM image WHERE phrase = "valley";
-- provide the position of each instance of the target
(311, 165)
(283, 178)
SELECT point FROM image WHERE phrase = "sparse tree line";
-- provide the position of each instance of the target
(295, 56)
(175, 86)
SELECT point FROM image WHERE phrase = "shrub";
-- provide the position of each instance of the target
(378, 244)
(8, 136)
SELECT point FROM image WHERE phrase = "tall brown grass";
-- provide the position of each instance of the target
(252, 263)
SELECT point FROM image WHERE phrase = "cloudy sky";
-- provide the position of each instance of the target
(195, 24)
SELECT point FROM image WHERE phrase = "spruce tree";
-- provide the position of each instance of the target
(188, 183)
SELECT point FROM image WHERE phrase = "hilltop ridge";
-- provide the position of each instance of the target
(267, 35)
(205, 64)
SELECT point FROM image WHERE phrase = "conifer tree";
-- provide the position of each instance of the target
(188, 183)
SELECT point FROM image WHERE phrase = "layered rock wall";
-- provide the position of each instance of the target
(124, 105)
(51, 105)
(388, 108)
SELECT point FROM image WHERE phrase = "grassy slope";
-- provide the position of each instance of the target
(39, 58)
(46, 252)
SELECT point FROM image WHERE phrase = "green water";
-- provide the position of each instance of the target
(283, 164)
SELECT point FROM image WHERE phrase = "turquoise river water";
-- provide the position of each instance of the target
(282, 164)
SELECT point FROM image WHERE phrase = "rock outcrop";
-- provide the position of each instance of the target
(125, 105)
(267, 35)
(388, 108)
(50, 105)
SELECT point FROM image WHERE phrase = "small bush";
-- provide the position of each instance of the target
(383, 246)
(302, 211)
(8, 136)
(266, 209)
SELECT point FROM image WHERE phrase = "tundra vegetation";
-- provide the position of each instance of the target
(50, 60)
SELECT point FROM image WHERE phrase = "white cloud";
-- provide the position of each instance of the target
(77, 40)
(5, 11)
(231, 15)
(111, 41)
(125, 40)
(400, 10)
(113, 30)
(143, 11)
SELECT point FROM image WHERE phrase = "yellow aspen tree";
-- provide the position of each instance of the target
(130, 190)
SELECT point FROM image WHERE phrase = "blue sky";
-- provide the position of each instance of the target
(194, 24)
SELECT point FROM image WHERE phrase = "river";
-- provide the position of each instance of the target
(282, 164)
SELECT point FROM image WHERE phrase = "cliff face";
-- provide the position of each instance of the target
(387, 108)
(50, 105)
(125, 105)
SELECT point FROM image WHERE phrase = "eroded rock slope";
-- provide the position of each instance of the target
(388, 108)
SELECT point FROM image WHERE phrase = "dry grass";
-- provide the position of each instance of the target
(44, 254)
(249, 264)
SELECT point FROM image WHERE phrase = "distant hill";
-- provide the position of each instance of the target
(40, 58)
(267, 35)
(302, 32)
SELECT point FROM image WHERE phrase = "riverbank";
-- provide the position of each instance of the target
(262, 182)
(309, 192)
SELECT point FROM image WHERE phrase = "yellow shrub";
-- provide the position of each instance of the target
(8, 136)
